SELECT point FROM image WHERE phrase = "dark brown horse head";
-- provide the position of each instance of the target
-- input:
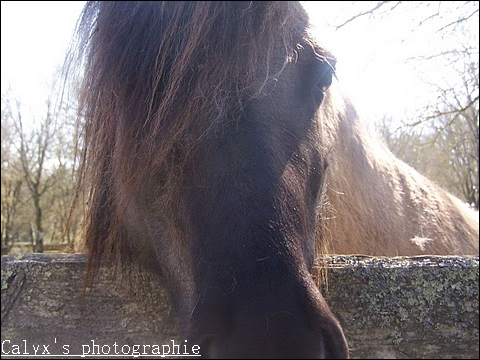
(204, 162)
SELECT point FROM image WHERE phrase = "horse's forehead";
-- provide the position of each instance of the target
(299, 19)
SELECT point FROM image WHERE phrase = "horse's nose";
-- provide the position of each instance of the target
(283, 324)
(280, 335)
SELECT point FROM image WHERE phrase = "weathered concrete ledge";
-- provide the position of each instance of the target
(421, 307)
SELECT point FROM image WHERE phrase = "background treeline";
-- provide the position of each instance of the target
(444, 143)
(38, 176)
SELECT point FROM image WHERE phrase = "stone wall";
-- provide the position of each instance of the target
(421, 307)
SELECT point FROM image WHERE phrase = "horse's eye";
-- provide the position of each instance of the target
(323, 78)
(326, 80)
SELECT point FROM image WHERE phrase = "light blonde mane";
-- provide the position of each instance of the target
(378, 205)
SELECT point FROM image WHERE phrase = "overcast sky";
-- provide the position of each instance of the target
(372, 52)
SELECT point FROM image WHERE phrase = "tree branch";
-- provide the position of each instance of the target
(368, 12)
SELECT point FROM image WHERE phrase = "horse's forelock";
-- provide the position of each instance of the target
(158, 77)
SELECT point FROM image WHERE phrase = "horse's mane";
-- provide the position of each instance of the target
(378, 205)
(159, 78)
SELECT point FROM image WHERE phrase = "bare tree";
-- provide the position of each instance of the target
(11, 184)
(33, 148)
(455, 121)
(65, 219)
(38, 174)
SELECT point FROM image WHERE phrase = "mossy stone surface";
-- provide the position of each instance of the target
(420, 307)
